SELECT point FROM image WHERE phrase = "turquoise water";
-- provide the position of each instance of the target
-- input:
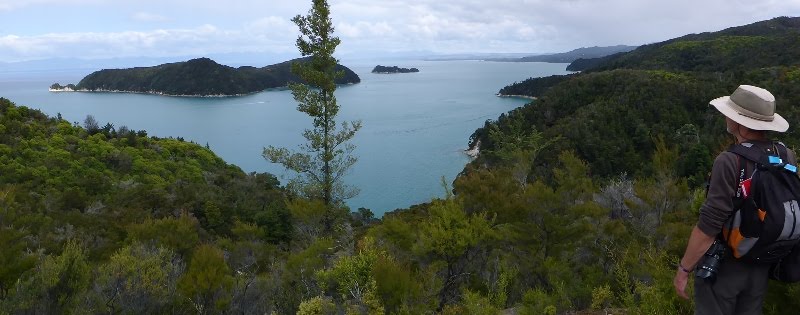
(415, 126)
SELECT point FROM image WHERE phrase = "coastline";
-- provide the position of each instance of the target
(474, 150)
(517, 96)
(150, 93)
(280, 88)
(395, 72)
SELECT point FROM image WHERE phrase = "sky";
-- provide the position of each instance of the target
(98, 29)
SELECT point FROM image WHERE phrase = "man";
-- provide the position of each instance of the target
(740, 286)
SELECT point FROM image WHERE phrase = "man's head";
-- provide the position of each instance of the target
(751, 107)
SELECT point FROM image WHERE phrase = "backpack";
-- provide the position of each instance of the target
(765, 226)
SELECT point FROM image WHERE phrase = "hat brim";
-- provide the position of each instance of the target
(723, 105)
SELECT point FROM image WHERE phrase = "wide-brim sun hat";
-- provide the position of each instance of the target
(752, 107)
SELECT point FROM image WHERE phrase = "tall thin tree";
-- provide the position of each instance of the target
(322, 162)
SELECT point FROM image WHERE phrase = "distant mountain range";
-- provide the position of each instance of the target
(767, 43)
(758, 45)
(198, 77)
(570, 56)
(473, 56)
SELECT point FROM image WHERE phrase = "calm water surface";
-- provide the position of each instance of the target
(415, 126)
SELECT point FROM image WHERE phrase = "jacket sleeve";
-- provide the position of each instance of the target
(722, 187)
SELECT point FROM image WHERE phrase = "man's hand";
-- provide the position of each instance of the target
(680, 281)
(699, 242)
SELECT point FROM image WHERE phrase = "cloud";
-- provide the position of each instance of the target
(446, 26)
(273, 25)
(202, 40)
(547, 25)
(365, 30)
(149, 17)
(442, 26)
(9, 5)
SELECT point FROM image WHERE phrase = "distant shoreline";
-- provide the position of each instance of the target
(474, 150)
(282, 88)
(517, 96)
(149, 93)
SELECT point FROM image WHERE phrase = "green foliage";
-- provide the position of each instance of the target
(780, 298)
(720, 53)
(327, 156)
(537, 301)
(658, 295)
(498, 294)
(451, 232)
(393, 69)
(610, 116)
(353, 279)
(533, 87)
(138, 205)
(302, 266)
(207, 281)
(179, 234)
(316, 306)
(96, 187)
(607, 118)
(581, 200)
(516, 146)
(474, 303)
(765, 43)
(138, 279)
(56, 285)
(351, 275)
(601, 297)
(276, 224)
(396, 285)
(14, 260)
(201, 76)
(452, 238)
(312, 219)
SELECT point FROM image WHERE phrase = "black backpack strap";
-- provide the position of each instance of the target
(783, 150)
(748, 151)
(780, 148)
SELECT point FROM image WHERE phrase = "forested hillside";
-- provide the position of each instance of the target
(766, 43)
(610, 115)
(532, 86)
(104, 219)
(579, 203)
(200, 77)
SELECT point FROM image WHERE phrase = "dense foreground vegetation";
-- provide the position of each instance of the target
(100, 219)
(201, 76)
(579, 202)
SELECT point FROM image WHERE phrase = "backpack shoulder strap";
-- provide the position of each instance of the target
(784, 155)
(747, 151)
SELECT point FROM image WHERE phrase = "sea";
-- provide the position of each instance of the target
(416, 126)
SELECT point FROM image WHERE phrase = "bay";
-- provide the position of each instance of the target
(416, 125)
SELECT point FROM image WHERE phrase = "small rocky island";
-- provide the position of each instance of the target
(196, 77)
(393, 69)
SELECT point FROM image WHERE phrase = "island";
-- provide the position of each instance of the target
(196, 77)
(393, 69)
